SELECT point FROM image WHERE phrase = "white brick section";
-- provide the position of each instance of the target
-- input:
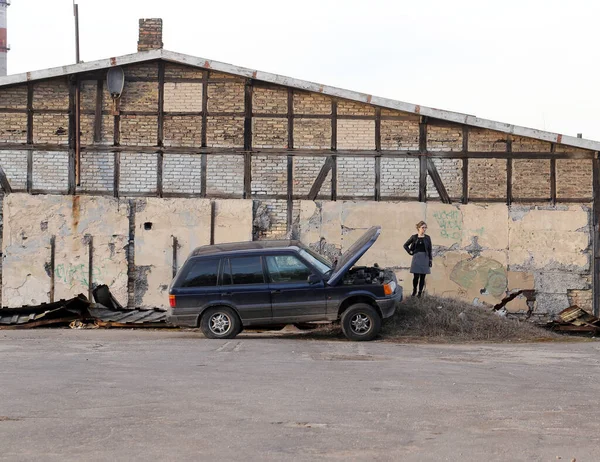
(355, 134)
(14, 164)
(183, 97)
(269, 174)
(51, 171)
(225, 174)
(97, 171)
(450, 171)
(182, 173)
(356, 176)
(138, 173)
(306, 170)
(399, 177)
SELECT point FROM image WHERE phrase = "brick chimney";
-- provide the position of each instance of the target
(150, 34)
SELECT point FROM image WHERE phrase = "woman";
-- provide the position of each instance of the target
(419, 246)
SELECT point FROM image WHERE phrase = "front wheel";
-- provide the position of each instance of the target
(221, 322)
(361, 322)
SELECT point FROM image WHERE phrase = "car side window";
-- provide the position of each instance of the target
(244, 270)
(202, 273)
(287, 268)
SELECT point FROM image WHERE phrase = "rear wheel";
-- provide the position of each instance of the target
(361, 322)
(220, 322)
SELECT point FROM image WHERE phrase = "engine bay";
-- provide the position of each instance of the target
(360, 275)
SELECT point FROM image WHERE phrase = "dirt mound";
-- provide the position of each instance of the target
(436, 319)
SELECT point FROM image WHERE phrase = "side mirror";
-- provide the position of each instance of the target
(313, 279)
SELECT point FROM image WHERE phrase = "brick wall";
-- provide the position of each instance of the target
(183, 97)
(400, 135)
(14, 164)
(269, 133)
(574, 178)
(226, 97)
(97, 171)
(182, 130)
(51, 171)
(277, 210)
(51, 94)
(269, 174)
(399, 177)
(521, 144)
(354, 108)
(356, 176)
(182, 72)
(450, 171)
(312, 134)
(531, 178)
(138, 173)
(311, 103)
(444, 138)
(51, 128)
(13, 128)
(139, 130)
(182, 173)
(487, 178)
(145, 70)
(14, 97)
(269, 101)
(486, 140)
(225, 175)
(139, 96)
(224, 131)
(306, 170)
(355, 134)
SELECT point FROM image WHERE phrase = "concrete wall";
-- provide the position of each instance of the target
(106, 224)
(482, 253)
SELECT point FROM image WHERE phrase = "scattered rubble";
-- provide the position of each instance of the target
(575, 319)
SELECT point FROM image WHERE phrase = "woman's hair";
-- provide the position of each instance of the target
(421, 223)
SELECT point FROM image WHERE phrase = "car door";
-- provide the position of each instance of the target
(293, 297)
(244, 285)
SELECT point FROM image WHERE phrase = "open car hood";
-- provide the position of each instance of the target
(353, 254)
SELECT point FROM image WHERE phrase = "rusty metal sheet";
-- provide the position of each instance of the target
(127, 316)
(46, 313)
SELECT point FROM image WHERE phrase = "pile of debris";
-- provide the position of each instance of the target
(575, 319)
(79, 311)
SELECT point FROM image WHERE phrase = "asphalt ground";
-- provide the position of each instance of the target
(121, 394)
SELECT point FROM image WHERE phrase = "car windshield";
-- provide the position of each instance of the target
(316, 260)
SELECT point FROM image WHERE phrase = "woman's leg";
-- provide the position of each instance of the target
(421, 283)
(415, 282)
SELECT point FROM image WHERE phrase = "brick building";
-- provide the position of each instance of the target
(190, 128)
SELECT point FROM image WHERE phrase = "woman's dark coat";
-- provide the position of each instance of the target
(409, 245)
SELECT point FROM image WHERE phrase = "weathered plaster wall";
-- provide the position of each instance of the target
(29, 224)
(482, 253)
(76, 222)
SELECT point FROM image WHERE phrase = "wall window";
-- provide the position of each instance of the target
(287, 268)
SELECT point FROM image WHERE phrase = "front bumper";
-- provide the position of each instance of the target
(388, 305)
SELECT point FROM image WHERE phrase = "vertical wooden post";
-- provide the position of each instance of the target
(90, 266)
(465, 165)
(553, 175)
(595, 235)
(72, 131)
(161, 103)
(160, 159)
(98, 115)
(290, 192)
(509, 169)
(205, 76)
(29, 112)
(174, 261)
(248, 140)
(77, 133)
(203, 173)
(378, 156)
(334, 148)
(290, 118)
(423, 159)
(52, 267)
(116, 172)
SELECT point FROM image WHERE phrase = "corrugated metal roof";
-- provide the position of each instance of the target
(127, 316)
(194, 61)
(46, 312)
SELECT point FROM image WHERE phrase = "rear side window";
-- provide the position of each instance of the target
(201, 274)
(243, 270)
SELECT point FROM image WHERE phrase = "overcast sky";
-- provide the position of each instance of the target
(528, 62)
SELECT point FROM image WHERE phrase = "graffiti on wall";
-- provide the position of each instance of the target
(76, 274)
(450, 223)
(484, 273)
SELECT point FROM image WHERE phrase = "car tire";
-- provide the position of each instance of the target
(361, 322)
(220, 322)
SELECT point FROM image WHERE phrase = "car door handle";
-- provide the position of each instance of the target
(227, 293)
(276, 291)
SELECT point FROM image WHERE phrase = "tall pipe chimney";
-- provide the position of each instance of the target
(3, 36)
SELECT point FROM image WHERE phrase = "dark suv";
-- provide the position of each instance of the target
(226, 287)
